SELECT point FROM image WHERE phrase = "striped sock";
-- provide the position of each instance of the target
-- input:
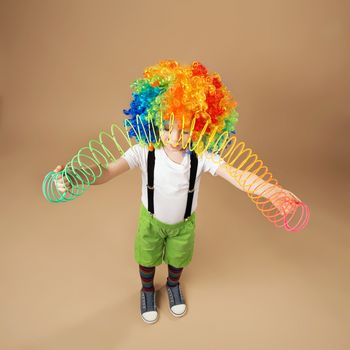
(174, 275)
(147, 276)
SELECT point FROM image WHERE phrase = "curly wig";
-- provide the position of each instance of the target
(185, 94)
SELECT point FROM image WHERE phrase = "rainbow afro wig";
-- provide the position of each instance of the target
(185, 94)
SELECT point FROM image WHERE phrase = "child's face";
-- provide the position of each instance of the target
(174, 139)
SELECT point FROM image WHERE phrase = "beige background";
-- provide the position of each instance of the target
(67, 274)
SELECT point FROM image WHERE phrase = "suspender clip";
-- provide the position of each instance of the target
(190, 191)
(149, 187)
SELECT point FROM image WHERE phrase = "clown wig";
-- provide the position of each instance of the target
(185, 94)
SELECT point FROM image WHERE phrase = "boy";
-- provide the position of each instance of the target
(171, 173)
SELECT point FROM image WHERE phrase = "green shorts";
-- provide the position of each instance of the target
(157, 241)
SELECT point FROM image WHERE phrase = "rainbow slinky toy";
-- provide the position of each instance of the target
(203, 107)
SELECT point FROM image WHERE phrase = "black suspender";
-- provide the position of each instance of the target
(193, 173)
(150, 182)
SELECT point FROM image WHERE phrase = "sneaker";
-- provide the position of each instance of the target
(177, 304)
(148, 306)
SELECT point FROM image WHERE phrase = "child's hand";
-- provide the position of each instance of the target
(61, 185)
(285, 201)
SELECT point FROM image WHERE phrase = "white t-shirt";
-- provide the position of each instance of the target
(171, 180)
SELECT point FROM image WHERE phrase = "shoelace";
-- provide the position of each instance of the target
(175, 295)
(147, 301)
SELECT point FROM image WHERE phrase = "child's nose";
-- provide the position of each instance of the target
(175, 136)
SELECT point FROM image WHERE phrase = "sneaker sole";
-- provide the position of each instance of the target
(177, 315)
(150, 322)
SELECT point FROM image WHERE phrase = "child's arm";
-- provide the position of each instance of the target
(113, 169)
(251, 181)
(253, 184)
